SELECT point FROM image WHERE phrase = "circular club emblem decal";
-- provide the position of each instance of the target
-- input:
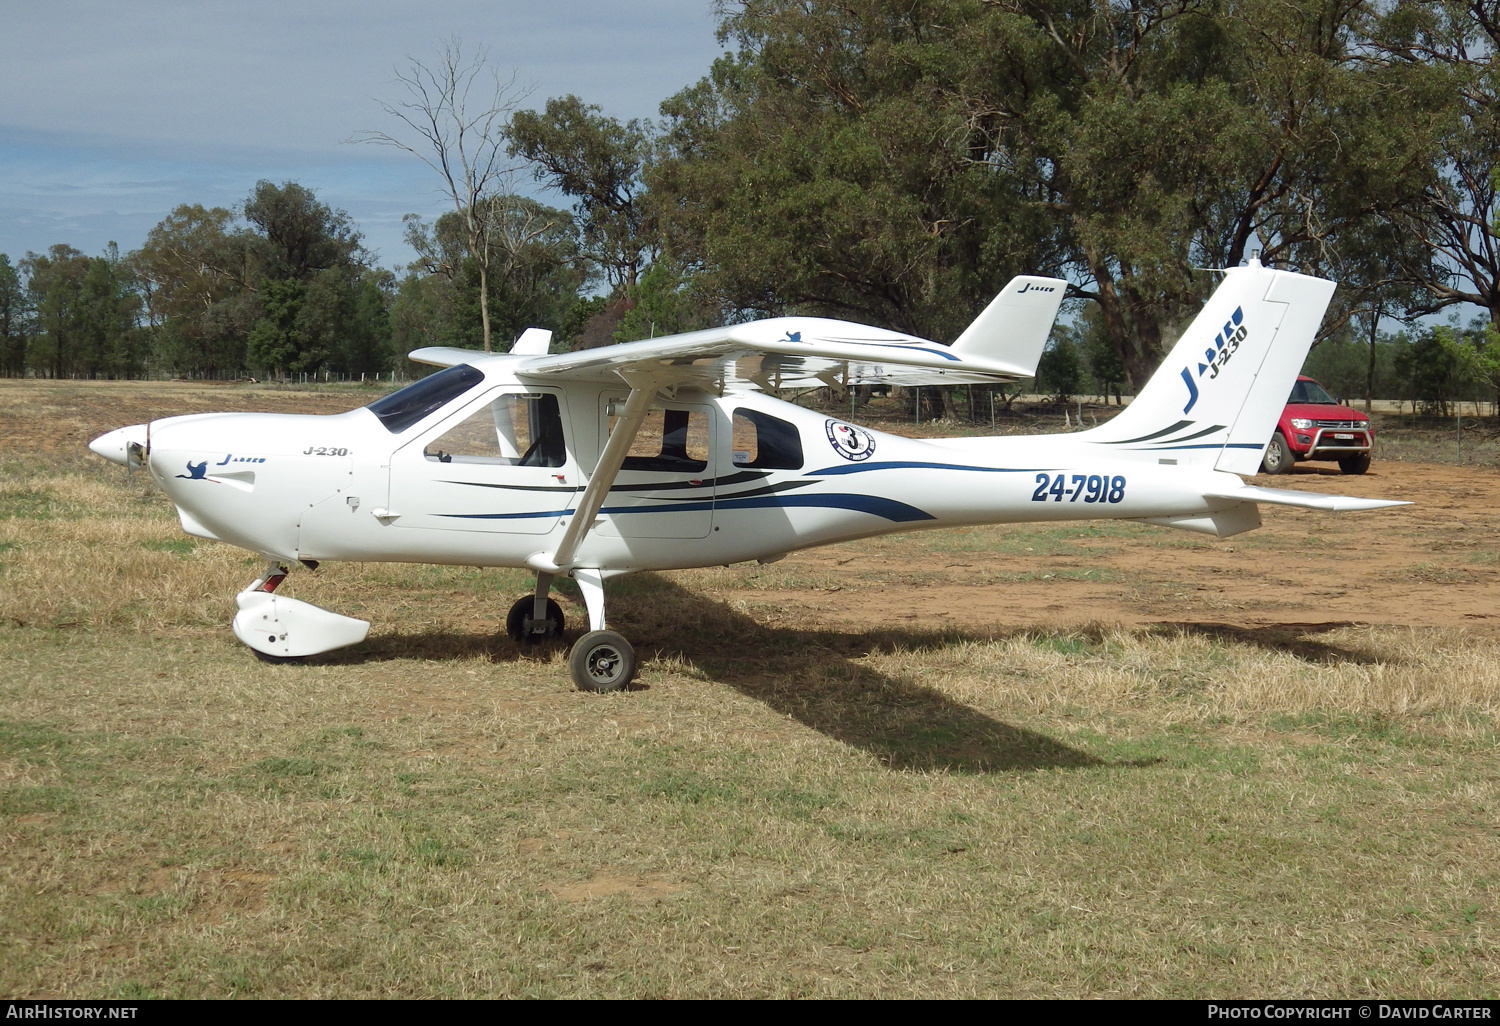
(851, 442)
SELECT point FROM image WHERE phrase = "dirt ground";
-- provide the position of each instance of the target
(1434, 563)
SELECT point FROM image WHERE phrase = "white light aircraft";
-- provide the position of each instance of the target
(666, 453)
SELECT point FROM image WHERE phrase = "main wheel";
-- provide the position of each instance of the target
(1355, 464)
(521, 612)
(601, 661)
(1278, 458)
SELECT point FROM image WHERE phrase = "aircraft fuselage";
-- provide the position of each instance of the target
(712, 480)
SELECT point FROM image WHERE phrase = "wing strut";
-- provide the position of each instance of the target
(603, 478)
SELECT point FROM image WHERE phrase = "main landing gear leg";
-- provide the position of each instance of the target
(535, 618)
(601, 660)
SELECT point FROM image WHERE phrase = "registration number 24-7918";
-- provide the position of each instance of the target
(1092, 487)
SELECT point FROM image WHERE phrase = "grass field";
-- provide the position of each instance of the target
(785, 806)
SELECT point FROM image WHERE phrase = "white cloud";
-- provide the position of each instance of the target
(131, 107)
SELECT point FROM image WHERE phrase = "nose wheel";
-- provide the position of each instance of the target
(601, 661)
(523, 626)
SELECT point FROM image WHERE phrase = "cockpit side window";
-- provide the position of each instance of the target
(765, 442)
(403, 408)
(518, 430)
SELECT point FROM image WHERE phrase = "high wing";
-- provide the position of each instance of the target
(1003, 344)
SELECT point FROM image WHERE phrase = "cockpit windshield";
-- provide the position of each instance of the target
(1311, 392)
(404, 407)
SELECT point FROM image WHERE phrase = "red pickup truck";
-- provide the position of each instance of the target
(1316, 426)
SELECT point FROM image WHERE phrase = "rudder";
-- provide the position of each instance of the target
(1216, 397)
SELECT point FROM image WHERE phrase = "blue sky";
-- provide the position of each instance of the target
(116, 112)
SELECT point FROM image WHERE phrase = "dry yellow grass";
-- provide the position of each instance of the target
(784, 808)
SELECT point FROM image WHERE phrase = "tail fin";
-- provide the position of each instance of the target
(1216, 398)
(1015, 326)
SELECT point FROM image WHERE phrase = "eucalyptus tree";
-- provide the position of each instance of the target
(899, 159)
(823, 168)
(599, 162)
(282, 284)
(199, 272)
(537, 272)
(1451, 49)
(15, 320)
(1172, 135)
(54, 285)
(454, 119)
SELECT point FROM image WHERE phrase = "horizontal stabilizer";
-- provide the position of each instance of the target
(1015, 326)
(446, 356)
(1223, 523)
(1304, 500)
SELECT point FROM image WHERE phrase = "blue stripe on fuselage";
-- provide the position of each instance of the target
(889, 509)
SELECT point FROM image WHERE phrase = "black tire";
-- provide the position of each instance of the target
(1355, 464)
(515, 622)
(601, 661)
(1278, 458)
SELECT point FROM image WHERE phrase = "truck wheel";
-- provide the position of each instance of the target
(1355, 464)
(1278, 458)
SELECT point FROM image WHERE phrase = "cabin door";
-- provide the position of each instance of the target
(500, 465)
(665, 488)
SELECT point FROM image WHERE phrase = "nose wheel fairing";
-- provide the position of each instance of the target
(286, 628)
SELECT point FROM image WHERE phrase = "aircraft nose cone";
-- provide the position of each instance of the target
(114, 445)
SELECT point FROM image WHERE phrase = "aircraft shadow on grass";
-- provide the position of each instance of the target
(1292, 638)
(807, 674)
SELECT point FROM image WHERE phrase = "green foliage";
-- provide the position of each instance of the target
(15, 320)
(274, 342)
(1342, 365)
(84, 312)
(287, 291)
(1059, 372)
(295, 236)
(537, 271)
(845, 188)
(664, 305)
(598, 162)
(1428, 372)
(889, 161)
(897, 162)
(1442, 57)
(1100, 371)
(1476, 354)
(317, 308)
(195, 273)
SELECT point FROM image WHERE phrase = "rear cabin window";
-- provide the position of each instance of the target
(670, 441)
(765, 442)
(404, 407)
(518, 430)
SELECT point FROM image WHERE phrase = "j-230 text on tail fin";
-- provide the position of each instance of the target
(1216, 397)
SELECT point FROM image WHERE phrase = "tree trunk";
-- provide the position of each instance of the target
(484, 302)
(950, 408)
(1131, 325)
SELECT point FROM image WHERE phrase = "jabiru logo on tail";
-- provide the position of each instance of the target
(1226, 344)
